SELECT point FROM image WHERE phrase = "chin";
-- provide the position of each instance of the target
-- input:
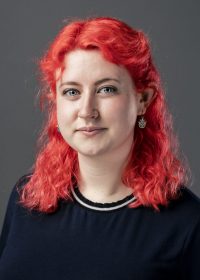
(90, 152)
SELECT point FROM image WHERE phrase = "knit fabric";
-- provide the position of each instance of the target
(79, 243)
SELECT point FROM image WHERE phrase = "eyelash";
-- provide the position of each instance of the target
(114, 90)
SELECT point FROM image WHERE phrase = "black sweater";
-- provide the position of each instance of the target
(105, 243)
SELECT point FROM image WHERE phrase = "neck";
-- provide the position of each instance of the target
(100, 177)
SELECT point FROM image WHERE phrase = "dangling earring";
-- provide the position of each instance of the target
(142, 122)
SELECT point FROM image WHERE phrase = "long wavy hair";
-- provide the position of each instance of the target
(156, 170)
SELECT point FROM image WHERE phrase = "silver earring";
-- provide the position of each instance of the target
(142, 122)
(58, 129)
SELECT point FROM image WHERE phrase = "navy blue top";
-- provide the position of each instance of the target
(95, 241)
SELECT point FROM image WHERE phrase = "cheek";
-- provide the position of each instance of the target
(131, 110)
(128, 118)
(65, 113)
(122, 112)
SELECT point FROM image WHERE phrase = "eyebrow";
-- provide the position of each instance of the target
(96, 83)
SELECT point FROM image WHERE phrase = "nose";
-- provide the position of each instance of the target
(87, 107)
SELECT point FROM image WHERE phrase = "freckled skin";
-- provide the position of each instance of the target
(117, 110)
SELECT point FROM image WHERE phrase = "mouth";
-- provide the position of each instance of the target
(88, 129)
(92, 132)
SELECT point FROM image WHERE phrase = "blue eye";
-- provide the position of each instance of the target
(105, 90)
(70, 92)
(108, 89)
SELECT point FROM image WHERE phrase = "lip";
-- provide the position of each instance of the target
(91, 132)
(90, 128)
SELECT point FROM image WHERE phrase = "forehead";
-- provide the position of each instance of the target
(91, 65)
(86, 57)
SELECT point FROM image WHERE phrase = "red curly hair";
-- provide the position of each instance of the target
(154, 171)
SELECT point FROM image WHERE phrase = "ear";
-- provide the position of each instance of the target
(144, 99)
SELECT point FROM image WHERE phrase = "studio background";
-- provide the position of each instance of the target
(28, 27)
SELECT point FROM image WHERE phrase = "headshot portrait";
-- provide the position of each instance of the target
(110, 193)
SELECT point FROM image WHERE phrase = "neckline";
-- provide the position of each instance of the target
(108, 206)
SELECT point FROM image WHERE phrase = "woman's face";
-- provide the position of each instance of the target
(90, 82)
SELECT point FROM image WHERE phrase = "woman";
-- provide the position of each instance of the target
(107, 196)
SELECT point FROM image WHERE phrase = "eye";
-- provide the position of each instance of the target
(70, 92)
(107, 89)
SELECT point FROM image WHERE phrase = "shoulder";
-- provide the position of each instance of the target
(15, 192)
(23, 180)
(11, 209)
(14, 198)
(187, 200)
(184, 209)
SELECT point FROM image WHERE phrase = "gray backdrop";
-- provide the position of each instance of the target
(27, 27)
